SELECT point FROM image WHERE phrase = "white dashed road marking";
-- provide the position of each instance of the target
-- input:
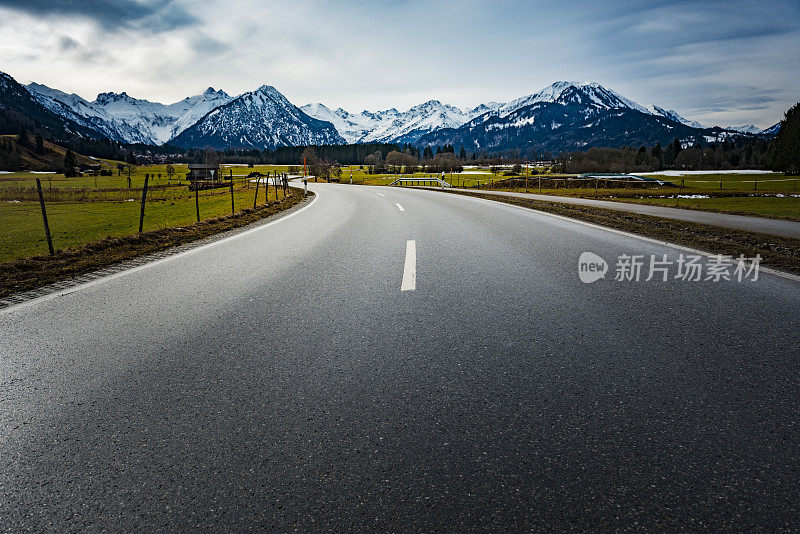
(410, 268)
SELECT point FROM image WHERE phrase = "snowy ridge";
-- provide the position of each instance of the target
(392, 125)
(262, 119)
(124, 118)
(131, 120)
(673, 115)
(745, 128)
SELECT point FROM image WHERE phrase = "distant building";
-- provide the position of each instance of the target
(205, 176)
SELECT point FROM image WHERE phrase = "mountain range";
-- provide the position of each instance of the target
(562, 116)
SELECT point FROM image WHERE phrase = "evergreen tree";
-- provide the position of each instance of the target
(69, 164)
(462, 154)
(22, 138)
(786, 147)
(641, 156)
(672, 152)
(39, 144)
(658, 155)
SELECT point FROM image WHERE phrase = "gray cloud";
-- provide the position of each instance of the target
(154, 15)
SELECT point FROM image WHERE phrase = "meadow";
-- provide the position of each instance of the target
(79, 214)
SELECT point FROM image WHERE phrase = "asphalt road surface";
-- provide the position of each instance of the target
(358, 367)
(739, 222)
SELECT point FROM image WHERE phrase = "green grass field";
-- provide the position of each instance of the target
(772, 197)
(58, 181)
(774, 207)
(78, 223)
(736, 182)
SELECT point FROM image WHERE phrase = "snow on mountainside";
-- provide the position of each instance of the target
(572, 116)
(193, 108)
(673, 115)
(745, 128)
(591, 94)
(157, 121)
(420, 119)
(772, 130)
(124, 118)
(395, 126)
(262, 119)
(73, 107)
(351, 127)
(17, 99)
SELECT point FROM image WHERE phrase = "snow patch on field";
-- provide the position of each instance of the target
(690, 173)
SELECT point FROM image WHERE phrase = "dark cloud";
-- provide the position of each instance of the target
(155, 15)
(67, 44)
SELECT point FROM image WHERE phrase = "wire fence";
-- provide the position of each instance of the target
(82, 215)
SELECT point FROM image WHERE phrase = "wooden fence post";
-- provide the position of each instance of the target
(44, 216)
(233, 208)
(255, 198)
(144, 196)
(197, 199)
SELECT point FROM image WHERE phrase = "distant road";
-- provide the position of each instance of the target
(391, 360)
(738, 222)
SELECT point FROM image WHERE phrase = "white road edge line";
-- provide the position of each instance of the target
(410, 267)
(399, 206)
(381, 194)
(781, 274)
(51, 296)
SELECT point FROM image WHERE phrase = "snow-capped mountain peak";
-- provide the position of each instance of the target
(772, 130)
(745, 128)
(586, 93)
(125, 118)
(674, 116)
(263, 119)
(391, 125)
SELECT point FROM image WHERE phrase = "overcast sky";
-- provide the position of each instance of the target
(718, 62)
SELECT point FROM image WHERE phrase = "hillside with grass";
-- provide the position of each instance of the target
(32, 153)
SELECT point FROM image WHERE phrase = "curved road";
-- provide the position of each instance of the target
(283, 380)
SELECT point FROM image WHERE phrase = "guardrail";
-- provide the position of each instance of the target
(423, 181)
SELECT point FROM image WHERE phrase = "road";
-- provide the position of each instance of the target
(739, 222)
(310, 376)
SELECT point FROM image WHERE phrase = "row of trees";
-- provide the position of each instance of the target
(407, 162)
(729, 155)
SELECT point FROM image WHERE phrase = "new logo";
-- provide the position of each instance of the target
(591, 267)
